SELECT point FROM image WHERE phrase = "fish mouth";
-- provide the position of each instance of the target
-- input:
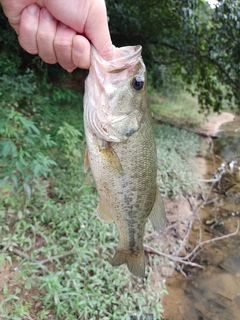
(128, 52)
(122, 58)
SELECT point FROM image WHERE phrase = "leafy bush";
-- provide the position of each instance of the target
(70, 157)
(21, 159)
(55, 106)
(8, 65)
(70, 146)
(17, 90)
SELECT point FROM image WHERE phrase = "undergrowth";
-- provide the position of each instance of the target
(176, 150)
(180, 107)
(67, 251)
(48, 229)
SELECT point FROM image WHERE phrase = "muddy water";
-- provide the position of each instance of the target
(213, 293)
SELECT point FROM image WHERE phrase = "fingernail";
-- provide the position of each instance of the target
(46, 14)
(70, 70)
(33, 9)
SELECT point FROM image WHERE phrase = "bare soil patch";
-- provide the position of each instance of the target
(179, 303)
(212, 124)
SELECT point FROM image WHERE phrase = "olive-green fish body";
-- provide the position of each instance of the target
(122, 156)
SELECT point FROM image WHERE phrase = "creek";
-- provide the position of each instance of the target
(213, 293)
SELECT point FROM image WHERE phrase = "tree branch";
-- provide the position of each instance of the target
(185, 260)
(171, 257)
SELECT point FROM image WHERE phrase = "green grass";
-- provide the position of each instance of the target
(176, 150)
(182, 108)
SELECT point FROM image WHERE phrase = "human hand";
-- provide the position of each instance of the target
(61, 31)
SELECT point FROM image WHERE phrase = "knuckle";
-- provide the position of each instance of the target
(61, 43)
(43, 37)
(48, 58)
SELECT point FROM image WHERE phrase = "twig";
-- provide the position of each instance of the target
(213, 155)
(210, 241)
(171, 226)
(171, 257)
(60, 256)
(211, 200)
(199, 241)
(185, 259)
(26, 256)
(175, 224)
(188, 232)
(19, 253)
(209, 180)
(205, 198)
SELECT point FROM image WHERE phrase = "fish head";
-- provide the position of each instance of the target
(115, 94)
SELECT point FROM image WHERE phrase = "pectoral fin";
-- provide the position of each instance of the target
(110, 156)
(86, 161)
(158, 215)
(103, 213)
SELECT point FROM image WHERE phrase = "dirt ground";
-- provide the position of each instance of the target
(180, 213)
(177, 304)
(213, 122)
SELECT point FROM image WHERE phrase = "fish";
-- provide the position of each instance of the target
(121, 151)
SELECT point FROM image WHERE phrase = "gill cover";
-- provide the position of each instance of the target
(110, 91)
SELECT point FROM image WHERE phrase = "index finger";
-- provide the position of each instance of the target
(86, 17)
(13, 9)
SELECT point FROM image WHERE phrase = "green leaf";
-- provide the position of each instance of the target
(5, 289)
(4, 182)
(8, 148)
(27, 189)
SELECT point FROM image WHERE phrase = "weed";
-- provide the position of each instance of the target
(176, 150)
(20, 155)
(12, 302)
(83, 284)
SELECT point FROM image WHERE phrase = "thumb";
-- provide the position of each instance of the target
(97, 30)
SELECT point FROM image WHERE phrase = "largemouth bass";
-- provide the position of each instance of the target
(121, 151)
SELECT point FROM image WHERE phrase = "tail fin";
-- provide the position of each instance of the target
(135, 262)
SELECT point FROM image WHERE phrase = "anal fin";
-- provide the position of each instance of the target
(158, 215)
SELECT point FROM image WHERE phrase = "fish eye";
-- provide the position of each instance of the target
(137, 83)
